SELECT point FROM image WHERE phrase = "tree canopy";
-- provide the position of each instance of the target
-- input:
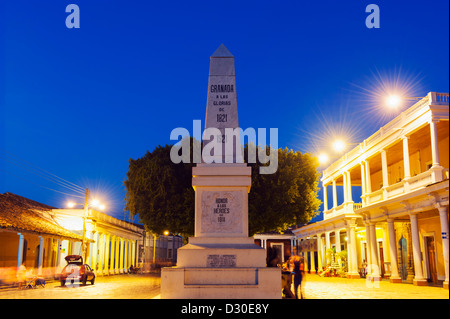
(161, 194)
(285, 198)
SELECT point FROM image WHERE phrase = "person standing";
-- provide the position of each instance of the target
(298, 270)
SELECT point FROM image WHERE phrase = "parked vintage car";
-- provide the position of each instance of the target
(76, 272)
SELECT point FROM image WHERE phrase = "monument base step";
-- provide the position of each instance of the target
(220, 283)
(221, 255)
(221, 240)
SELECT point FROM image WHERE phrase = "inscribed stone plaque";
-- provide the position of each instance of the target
(221, 212)
(221, 261)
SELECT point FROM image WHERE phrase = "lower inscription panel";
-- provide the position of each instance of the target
(221, 261)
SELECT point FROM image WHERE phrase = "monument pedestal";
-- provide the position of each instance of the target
(221, 261)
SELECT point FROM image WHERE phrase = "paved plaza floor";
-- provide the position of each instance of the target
(145, 286)
(148, 287)
(316, 287)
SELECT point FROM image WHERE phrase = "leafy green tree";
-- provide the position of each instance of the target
(161, 192)
(285, 198)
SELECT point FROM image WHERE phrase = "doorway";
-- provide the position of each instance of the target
(403, 258)
(431, 258)
(278, 252)
(24, 253)
(36, 256)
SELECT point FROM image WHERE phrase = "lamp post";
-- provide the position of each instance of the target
(86, 206)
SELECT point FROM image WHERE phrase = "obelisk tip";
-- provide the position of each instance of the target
(222, 52)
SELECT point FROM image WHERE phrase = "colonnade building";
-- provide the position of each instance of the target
(399, 226)
(113, 245)
(40, 237)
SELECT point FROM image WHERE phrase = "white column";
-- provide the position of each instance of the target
(327, 240)
(349, 187)
(325, 198)
(363, 184)
(436, 169)
(58, 257)
(434, 143)
(41, 254)
(384, 168)
(353, 264)
(334, 194)
(345, 186)
(374, 252)
(106, 267)
(20, 251)
(444, 230)
(101, 253)
(305, 261)
(406, 157)
(130, 249)
(121, 267)
(395, 277)
(419, 280)
(133, 252)
(117, 258)
(319, 253)
(368, 179)
(368, 245)
(327, 246)
(313, 262)
(349, 252)
(337, 236)
(126, 265)
(112, 255)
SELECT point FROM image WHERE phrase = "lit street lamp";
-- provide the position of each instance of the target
(339, 146)
(394, 100)
(323, 158)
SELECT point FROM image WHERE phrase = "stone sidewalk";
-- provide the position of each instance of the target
(316, 287)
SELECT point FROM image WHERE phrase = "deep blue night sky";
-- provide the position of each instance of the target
(79, 103)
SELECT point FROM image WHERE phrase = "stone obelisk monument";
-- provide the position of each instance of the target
(221, 261)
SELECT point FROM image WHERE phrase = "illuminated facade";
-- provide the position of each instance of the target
(399, 228)
(114, 245)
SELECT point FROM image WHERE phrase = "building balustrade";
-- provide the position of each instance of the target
(345, 208)
(391, 191)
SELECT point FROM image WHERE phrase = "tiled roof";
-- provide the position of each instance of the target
(21, 214)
